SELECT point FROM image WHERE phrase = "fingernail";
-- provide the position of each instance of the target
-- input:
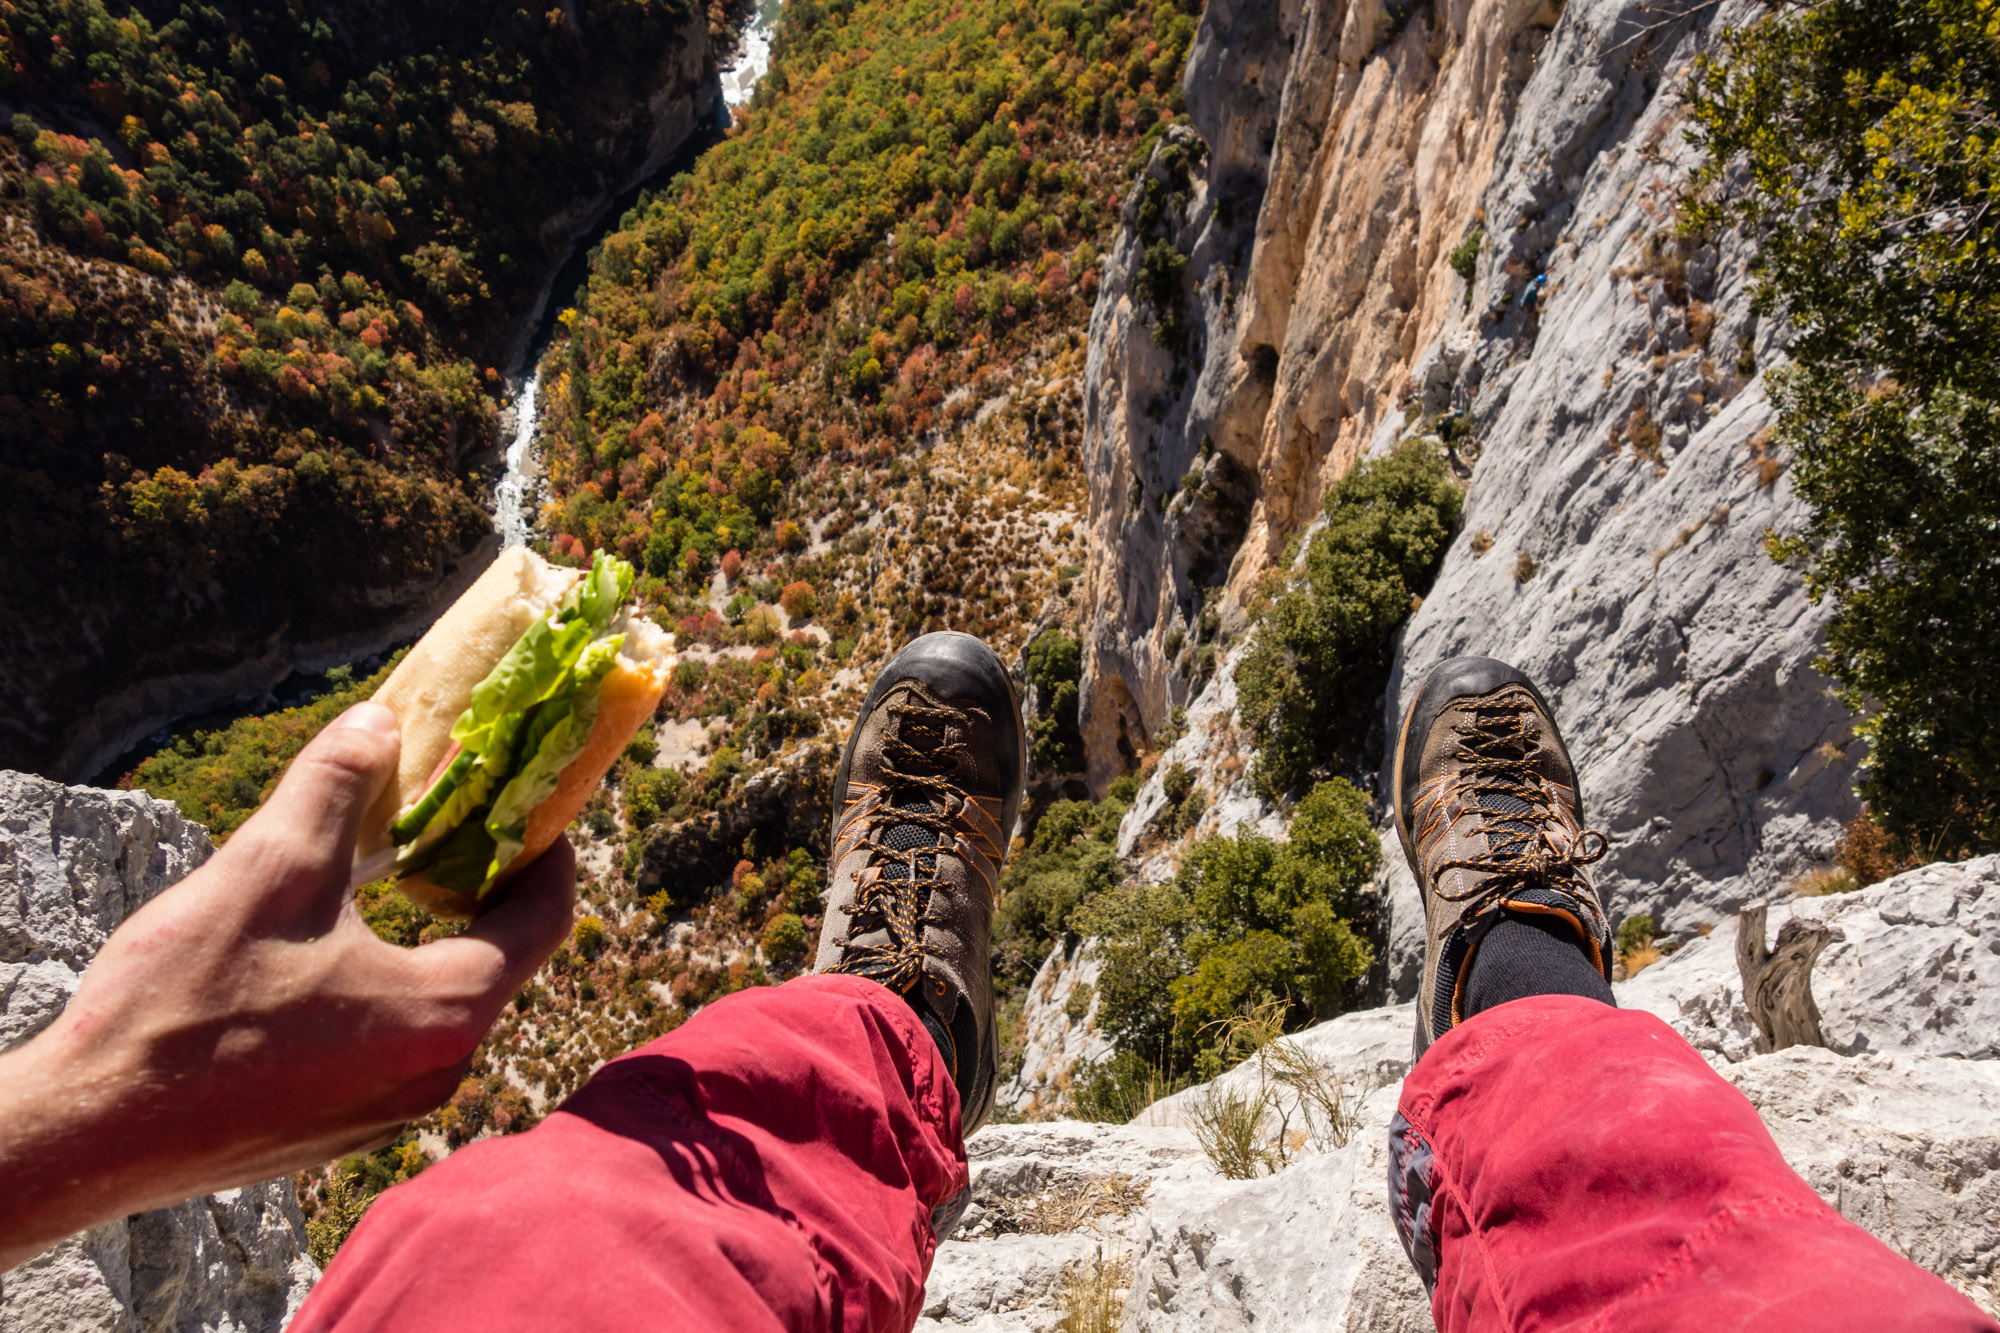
(366, 716)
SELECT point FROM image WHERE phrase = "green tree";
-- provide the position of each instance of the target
(1247, 921)
(1307, 685)
(784, 940)
(1863, 129)
(1055, 737)
(1071, 859)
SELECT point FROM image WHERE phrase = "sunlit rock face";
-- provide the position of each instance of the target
(74, 863)
(1350, 162)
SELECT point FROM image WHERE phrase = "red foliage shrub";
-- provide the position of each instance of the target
(799, 600)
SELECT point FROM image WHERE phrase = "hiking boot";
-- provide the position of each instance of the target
(1490, 819)
(924, 806)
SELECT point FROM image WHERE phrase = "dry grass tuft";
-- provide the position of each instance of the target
(1072, 1205)
(1820, 883)
(1229, 1127)
(1299, 1103)
(1093, 1295)
(1639, 959)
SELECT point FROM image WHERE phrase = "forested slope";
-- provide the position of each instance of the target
(258, 269)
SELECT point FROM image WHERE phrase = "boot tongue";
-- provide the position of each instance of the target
(924, 736)
(1510, 826)
(1507, 826)
(910, 837)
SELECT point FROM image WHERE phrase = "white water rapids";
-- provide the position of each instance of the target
(510, 498)
(511, 516)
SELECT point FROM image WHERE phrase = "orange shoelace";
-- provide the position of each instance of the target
(902, 841)
(1527, 841)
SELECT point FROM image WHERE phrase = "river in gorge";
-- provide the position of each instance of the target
(514, 495)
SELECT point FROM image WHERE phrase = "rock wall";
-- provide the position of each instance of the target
(1897, 1124)
(1612, 431)
(74, 863)
(1342, 152)
(1059, 1034)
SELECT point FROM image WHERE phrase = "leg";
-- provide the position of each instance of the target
(1560, 1164)
(1556, 1163)
(776, 1163)
(790, 1157)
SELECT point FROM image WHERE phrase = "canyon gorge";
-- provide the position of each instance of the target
(1335, 231)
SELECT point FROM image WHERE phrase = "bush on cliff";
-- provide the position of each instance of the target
(1055, 738)
(1070, 860)
(1247, 921)
(1308, 687)
(1872, 178)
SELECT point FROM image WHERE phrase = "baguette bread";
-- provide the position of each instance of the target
(433, 684)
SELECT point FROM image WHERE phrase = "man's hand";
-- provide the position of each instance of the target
(247, 1022)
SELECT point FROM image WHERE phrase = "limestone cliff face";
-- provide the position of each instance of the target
(74, 863)
(1342, 152)
(1612, 428)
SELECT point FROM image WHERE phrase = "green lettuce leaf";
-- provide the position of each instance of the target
(525, 723)
(533, 669)
(597, 598)
(458, 861)
(555, 739)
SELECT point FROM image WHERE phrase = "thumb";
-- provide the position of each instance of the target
(316, 810)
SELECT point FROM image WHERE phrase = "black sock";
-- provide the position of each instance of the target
(1530, 955)
(935, 1026)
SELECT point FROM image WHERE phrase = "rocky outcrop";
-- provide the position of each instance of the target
(1342, 152)
(74, 863)
(1611, 426)
(1059, 1034)
(1896, 1123)
(1912, 967)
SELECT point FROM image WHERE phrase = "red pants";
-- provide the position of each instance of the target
(773, 1164)
(784, 1160)
(1559, 1164)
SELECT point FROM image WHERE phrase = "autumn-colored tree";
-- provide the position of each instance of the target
(798, 600)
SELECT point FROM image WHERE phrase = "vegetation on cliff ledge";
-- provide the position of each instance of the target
(1310, 684)
(1865, 131)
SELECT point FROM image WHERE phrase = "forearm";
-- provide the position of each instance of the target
(246, 1023)
(65, 1164)
(89, 1134)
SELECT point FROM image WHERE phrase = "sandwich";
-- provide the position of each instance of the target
(511, 710)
